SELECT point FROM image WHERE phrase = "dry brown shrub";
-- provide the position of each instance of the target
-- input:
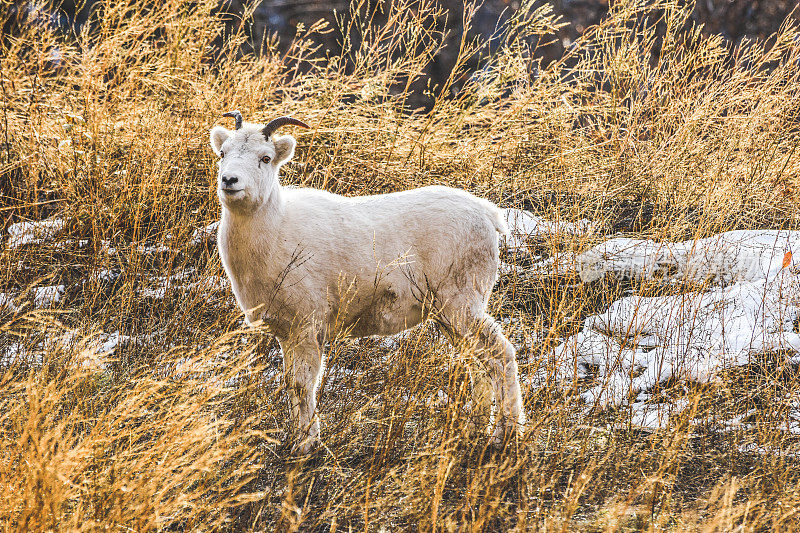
(645, 126)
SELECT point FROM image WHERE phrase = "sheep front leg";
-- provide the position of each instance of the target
(302, 365)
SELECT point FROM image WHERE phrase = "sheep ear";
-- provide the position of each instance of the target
(219, 135)
(284, 149)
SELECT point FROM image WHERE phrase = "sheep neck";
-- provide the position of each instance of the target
(258, 227)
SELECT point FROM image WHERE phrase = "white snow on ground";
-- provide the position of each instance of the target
(42, 297)
(392, 342)
(201, 235)
(793, 422)
(105, 275)
(11, 354)
(524, 225)
(148, 249)
(143, 248)
(210, 284)
(98, 359)
(178, 281)
(91, 353)
(80, 243)
(164, 283)
(641, 341)
(47, 296)
(108, 248)
(22, 233)
(7, 301)
(745, 255)
(754, 449)
(109, 342)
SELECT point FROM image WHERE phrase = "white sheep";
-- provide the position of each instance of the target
(308, 263)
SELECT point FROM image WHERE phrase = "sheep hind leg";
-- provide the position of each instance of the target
(503, 372)
(302, 364)
(501, 360)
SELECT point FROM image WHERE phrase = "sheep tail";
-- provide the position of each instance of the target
(496, 216)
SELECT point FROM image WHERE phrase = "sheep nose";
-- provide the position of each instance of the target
(229, 181)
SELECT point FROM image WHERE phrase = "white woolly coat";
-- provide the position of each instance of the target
(362, 265)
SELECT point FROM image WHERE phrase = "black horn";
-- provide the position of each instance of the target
(236, 116)
(273, 125)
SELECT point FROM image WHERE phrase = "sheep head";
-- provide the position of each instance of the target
(249, 160)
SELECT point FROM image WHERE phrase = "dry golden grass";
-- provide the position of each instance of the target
(644, 127)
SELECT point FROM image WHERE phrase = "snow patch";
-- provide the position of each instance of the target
(12, 354)
(42, 297)
(524, 225)
(392, 342)
(7, 301)
(149, 249)
(210, 284)
(80, 243)
(47, 296)
(108, 248)
(22, 233)
(654, 416)
(641, 341)
(109, 342)
(745, 255)
(206, 234)
(106, 275)
(178, 281)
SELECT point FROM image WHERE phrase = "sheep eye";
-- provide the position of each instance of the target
(221, 155)
(266, 159)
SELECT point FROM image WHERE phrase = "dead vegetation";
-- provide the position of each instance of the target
(135, 401)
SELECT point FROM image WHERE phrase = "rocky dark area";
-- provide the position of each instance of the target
(736, 20)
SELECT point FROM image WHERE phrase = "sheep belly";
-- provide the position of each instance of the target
(384, 312)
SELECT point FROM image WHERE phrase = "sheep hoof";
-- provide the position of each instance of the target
(504, 433)
(305, 446)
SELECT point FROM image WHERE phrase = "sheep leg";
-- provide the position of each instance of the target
(302, 365)
(502, 362)
(501, 359)
(482, 396)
